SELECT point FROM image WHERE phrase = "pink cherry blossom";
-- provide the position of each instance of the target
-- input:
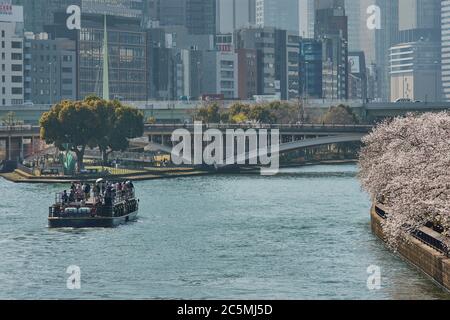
(405, 164)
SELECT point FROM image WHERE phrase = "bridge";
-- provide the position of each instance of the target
(19, 142)
(292, 136)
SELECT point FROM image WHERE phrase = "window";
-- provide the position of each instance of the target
(16, 45)
(3, 33)
(16, 90)
(16, 67)
(16, 79)
(67, 70)
(16, 56)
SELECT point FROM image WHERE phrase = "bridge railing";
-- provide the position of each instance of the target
(17, 128)
(312, 126)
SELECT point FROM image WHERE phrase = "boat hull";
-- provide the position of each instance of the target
(94, 222)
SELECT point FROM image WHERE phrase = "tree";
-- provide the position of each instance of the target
(340, 115)
(72, 125)
(262, 114)
(91, 123)
(404, 164)
(209, 113)
(117, 124)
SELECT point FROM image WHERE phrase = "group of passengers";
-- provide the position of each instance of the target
(103, 192)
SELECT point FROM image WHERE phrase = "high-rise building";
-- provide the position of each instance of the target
(11, 55)
(355, 25)
(235, 14)
(331, 27)
(199, 16)
(419, 19)
(263, 41)
(247, 73)
(279, 14)
(310, 68)
(221, 69)
(357, 76)
(307, 18)
(419, 29)
(287, 63)
(50, 69)
(385, 38)
(445, 55)
(415, 71)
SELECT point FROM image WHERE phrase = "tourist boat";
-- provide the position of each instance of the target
(95, 212)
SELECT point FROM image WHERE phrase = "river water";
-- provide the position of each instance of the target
(303, 234)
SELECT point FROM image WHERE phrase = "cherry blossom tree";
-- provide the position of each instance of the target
(405, 164)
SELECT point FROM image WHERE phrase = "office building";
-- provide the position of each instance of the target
(357, 73)
(247, 73)
(287, 63)
(198, 16)
(331, 28)
(50, 69)
(11, 55)
(279, 14)
(415, 71)
(445, 50)
(220, 67)
(235, 14)
(310, 65)
(263, 41)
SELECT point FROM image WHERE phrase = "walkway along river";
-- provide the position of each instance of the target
(304, 234)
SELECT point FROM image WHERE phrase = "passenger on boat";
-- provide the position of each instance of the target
(65, 197)
(87, 191)
(72, 196)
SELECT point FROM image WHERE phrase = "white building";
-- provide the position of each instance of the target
(415, 71)
(445, 55)
(307, 16)
(221, 69)
(11, 55)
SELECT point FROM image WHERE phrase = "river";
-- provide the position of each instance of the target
(303, 234)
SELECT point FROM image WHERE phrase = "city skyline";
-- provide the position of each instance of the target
(188, 39)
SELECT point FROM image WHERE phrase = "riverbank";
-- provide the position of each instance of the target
(19, 176)
(422, 250)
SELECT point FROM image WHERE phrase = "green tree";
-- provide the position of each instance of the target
(72, 125)
(93, 122)
(209, 113)
(117, 124)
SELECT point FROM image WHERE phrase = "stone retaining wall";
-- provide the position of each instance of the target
(430, 261)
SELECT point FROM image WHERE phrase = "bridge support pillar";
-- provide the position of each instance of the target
(9, 148)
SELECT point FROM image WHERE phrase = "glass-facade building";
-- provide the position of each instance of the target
(127, 58)
(310, 65)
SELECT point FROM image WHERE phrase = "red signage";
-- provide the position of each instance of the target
(6, 7)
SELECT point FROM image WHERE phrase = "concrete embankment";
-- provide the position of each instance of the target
(419, 251)
(19, 176)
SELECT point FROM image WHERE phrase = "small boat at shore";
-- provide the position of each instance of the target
(103, 210)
